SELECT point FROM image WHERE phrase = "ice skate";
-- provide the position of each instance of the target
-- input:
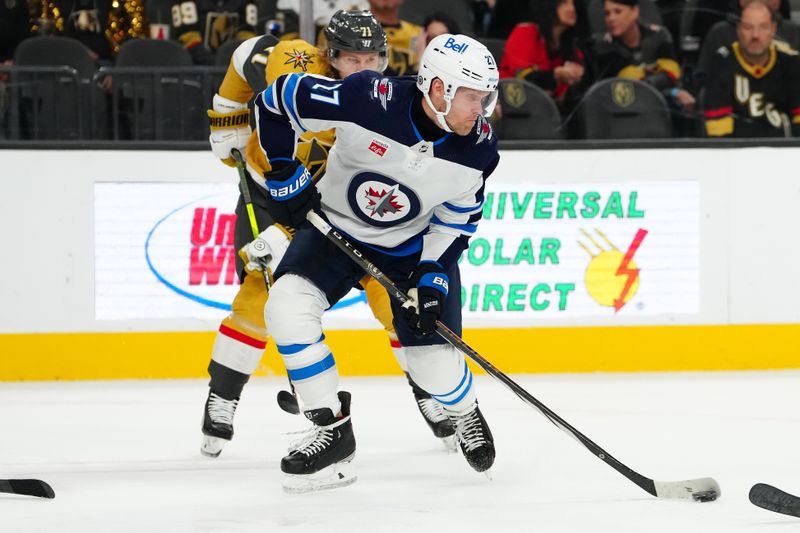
(217, 424)
(435, 416)
(322, 460)
(475, 439)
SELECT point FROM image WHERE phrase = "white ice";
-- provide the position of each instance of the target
(124, 457)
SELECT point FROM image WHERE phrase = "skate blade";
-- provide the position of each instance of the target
(212, 446)
(331, 477)
(450, 444)
(488, 474)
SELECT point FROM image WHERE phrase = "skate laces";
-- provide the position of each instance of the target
(470, 430)
(431, 409)
(221, 410)
(301, 437)
(319, 438)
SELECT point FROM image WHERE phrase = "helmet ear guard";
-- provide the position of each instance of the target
(458, 61)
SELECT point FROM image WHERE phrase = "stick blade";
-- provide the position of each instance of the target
(29, 487)
(774, 499)
(701, 490)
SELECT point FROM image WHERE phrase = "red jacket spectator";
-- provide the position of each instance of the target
(526, 57)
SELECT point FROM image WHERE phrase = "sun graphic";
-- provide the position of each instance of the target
(612, 277)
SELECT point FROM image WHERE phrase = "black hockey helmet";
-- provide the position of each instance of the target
(356, 31)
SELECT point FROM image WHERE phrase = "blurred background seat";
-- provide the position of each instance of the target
(159, 92)
(53, 99)
(528, 112)
(496, 47)
(416, 11)
(619, 108)
(223, 55)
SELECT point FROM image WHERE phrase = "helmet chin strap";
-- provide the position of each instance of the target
(439, 114)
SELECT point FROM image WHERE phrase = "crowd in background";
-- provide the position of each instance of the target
(724, 67)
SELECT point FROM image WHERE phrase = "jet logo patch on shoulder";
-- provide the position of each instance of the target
(382, 91)
(484, 129)
(299, 59)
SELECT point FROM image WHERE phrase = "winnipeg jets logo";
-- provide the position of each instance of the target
(382, 91)
(383, 202)
(299, 59)
(484, 130)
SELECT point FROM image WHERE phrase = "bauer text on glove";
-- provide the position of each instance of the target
(426, 297)
(292, 194)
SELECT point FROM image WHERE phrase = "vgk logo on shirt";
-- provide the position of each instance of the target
(381, 201)
(382, 91)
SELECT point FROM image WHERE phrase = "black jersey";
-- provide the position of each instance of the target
(211, 23)
(744, 100)
(653, 61)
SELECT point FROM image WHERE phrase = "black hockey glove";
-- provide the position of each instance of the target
(292, 194)
(426, 297)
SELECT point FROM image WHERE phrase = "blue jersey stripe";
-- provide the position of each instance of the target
(466, 372)
(459, 209)
(460, 396)
(269, 99)
(289, 89)
(466, 228)
(291, 349)
(312, 370)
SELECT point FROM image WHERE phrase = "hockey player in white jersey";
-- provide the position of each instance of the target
(405, 182)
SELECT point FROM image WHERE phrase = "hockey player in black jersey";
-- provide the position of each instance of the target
(753, 87)
(202, 26)
(405, 182)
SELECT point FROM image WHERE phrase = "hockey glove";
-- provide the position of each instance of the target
(230, 128)
(292, 194)
(266, 251)
(426, 297)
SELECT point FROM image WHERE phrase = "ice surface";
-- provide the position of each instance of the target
(124, 457)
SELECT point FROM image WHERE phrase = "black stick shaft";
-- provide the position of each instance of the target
(248, 202)
(343, 244)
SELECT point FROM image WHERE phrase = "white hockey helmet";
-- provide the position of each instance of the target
(459, 61)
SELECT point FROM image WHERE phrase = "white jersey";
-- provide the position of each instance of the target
(385, 186)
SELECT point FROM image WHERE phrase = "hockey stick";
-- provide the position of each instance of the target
(700, 490)
(774, 499)
(29, 487)
(248, 203)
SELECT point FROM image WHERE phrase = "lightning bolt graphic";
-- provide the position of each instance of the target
(624, 270)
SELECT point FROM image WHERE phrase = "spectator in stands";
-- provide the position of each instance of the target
(629, 49)
(434, 25)
(753, 87)
(15, 26)
(401, 35)
(505, 15)
(481, 16)
(723, 33)
(545, 51)
(202, 27)
(87, 21)
(696, 22)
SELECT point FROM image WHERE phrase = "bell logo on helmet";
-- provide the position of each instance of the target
(454, 46)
